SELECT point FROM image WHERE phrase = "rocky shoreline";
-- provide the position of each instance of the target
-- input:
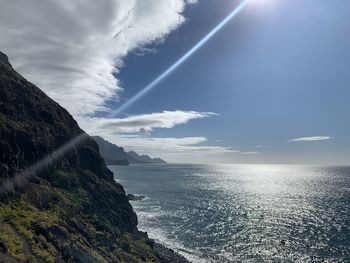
(132, 197)
(168, 255)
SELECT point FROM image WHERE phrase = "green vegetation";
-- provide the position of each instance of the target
(139, 247)
(13, 243)
(25, 219)
(26, 230)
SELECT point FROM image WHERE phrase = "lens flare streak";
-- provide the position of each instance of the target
(184, 58)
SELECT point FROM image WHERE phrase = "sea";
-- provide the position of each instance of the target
(244, 213)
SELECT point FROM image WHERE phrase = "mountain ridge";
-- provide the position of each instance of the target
(115, 155)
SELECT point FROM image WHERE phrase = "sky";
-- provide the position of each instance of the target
(272, 86)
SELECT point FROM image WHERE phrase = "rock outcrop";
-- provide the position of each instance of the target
(132, 197)
(4, 59)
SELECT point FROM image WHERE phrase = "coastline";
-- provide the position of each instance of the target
(163, 251)
(168, 255)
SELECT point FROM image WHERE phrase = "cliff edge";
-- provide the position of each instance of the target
(69, 211)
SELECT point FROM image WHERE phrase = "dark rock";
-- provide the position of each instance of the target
(4, 59)
(168, 255)
(132, 197)
(81, 256)
(3, 247)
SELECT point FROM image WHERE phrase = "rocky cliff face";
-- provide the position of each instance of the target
(69, 211)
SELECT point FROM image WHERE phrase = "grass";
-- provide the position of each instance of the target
(13, 243)
(20, 218)
(24, 218)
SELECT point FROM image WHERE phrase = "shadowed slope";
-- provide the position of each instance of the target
(72, 210)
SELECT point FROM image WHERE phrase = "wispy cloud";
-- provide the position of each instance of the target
(144, 123)
(249, 153)
(311, 139)
(168, 147)
(134, 133)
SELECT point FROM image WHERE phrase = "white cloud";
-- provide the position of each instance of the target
(168, 147)
(71, 49)
(311, 139)
(144, 123)
(249, 153)
(127, 133)
(133, 133)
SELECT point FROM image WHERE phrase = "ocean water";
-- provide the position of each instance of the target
(244, 213)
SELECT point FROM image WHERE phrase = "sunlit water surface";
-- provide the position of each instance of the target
(244, 213)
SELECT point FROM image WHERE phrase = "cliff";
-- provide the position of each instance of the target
(69, 210)
(112, 154)
(115, 155)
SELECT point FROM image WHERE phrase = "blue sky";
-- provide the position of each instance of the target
(271, 87)
(276, 72)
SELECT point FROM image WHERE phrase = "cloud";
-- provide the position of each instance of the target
(249, 153)
(134, 133)
(168, 147)
(144, 123)
(73, 49)
(311, 139)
